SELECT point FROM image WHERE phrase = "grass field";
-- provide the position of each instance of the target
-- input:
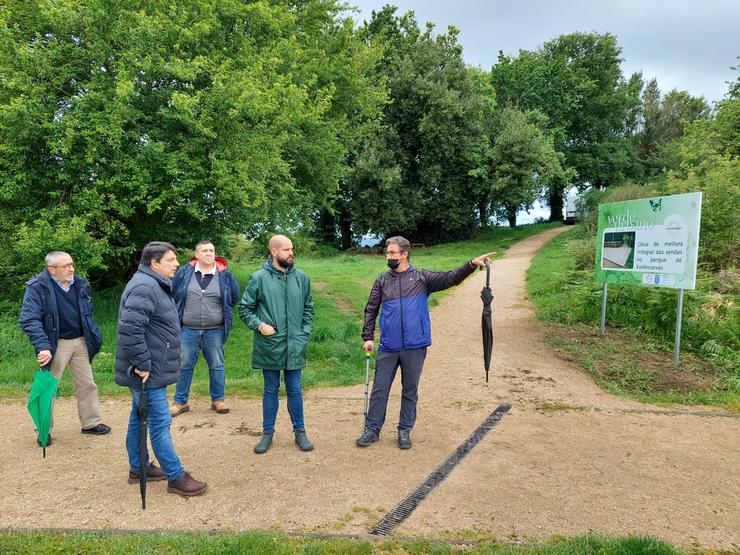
(340, 284)
(278, 544)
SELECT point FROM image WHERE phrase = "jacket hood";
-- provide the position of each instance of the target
(270, 267)
(221, 263)
(163, 282)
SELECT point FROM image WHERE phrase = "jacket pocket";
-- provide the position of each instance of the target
(96, 337)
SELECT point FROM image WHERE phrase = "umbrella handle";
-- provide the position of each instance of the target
(488, 274)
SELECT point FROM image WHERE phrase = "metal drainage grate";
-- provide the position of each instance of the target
(404, 509)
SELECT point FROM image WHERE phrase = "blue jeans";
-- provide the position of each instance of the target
(270, 399)
(192, 342)
(159, 433)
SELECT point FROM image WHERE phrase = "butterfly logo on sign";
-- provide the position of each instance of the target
(656, 206)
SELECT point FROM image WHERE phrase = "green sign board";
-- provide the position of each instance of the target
(651, 241)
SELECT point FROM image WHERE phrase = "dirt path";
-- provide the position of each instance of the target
(567, 459)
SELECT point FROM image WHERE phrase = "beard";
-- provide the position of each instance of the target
(286, 263)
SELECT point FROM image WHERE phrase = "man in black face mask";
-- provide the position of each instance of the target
(405, 333)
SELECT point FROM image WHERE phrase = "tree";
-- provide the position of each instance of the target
(126, 122)
(431, 139)
(662, 121)
(710, 162)
(524, 159)
(576, 81)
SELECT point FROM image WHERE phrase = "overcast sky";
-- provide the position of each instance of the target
(686, 44)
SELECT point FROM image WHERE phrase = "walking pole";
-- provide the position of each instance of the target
(367, 381)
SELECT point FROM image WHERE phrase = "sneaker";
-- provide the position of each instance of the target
(177, 410)
(368, 436)
(99, 430)
(220, 407)
(264, 443)
(48, 440)
(301, 440)
(186, 485)
(404, 439)
(153, 474)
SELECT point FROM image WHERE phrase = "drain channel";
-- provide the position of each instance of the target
(407, 506)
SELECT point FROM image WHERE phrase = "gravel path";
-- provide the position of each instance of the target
(567, 459)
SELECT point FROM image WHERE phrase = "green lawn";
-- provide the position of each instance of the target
(341, 284)
(266, 544)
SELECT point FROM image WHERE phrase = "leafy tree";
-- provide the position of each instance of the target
(662, 121)
(577, 82)
(431, 138)
(710, 162)
(126, 122)
(524, 159)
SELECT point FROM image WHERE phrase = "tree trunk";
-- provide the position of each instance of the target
(483, 212)
(555, 200)
(511, 216)
(345, 228)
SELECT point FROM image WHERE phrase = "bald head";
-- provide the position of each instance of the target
(281, 251)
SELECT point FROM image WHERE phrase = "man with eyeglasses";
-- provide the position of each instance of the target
(57, 317)
(405, 333)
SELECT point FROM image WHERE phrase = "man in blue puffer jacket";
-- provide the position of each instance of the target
(401, 295)
(148, 350)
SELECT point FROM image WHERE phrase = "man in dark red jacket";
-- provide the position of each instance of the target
(405, 333)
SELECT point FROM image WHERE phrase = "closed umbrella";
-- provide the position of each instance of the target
(39, 404)
(142, 412)
(486, 322)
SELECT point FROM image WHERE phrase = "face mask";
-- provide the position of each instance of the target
(393, 263)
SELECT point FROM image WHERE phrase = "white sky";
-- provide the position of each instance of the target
(686, 44)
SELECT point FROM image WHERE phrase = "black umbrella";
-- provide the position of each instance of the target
(142, 412)
(486, 323)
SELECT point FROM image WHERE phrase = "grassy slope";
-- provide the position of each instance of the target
(341, 285)
(635, 356)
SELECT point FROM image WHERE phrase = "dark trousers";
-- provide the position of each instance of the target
(411, 362)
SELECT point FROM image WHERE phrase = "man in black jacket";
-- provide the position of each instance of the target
(148, 350)
(57, 317)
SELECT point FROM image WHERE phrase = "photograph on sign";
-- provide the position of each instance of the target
(618, 250)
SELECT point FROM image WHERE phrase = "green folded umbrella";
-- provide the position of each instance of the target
(39, 403)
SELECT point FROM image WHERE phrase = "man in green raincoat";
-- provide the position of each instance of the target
(278, 306)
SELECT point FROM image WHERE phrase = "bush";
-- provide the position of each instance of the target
(719, 181)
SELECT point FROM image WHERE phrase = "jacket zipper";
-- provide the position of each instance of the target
(400, 304)
(164, 358)
(287, 325)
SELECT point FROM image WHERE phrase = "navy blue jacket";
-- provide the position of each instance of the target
(402, 296)
(40, 317)
(230, 291)
(148, 331)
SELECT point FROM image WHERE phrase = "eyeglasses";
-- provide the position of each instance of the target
(65, 266)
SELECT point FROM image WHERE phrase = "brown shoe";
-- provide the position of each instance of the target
(177, 410)
(153, 474)
(220, 407)
(186, 485)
